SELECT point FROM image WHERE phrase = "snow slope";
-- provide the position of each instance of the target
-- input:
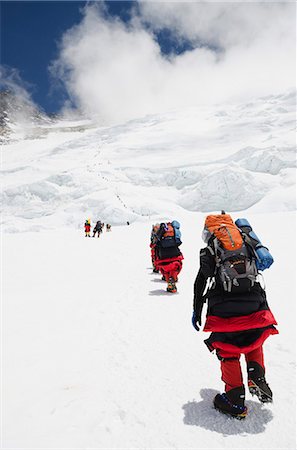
(235, 157)
(97, 355)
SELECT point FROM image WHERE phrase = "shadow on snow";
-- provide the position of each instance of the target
(162, 292)
(202, 414)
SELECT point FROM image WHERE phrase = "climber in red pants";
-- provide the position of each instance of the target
(238, 315)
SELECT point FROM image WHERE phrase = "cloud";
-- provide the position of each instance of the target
(116, 71)
(220, 24)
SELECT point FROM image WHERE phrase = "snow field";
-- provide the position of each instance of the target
(199, 159)
(96, 354)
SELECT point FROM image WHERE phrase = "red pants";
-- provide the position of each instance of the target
(170, 270)
(231, 370)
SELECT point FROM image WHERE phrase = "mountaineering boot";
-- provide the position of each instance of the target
(257, 383)
(171, 285)
(232, 403)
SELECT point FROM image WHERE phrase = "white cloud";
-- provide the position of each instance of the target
(116, 71)
(221, 24)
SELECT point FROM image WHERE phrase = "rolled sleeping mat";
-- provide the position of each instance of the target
(264, 258)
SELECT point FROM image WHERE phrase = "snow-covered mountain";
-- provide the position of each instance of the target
(20, 118)
(235, 156)
(95, 352)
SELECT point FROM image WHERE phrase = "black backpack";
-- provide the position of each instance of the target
(167, 235)
(236, 269)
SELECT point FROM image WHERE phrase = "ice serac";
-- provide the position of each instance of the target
(228, 188)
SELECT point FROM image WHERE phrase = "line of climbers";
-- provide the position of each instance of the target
(238, 316)
(98, 228)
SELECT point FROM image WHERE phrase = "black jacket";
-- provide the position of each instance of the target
(98, 226)
(222, 303)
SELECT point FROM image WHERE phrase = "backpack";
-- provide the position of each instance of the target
(236, 267)
(170, 236)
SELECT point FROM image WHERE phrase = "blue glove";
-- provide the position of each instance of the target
(196, 318)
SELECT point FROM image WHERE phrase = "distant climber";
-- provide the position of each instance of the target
(153, 246)
(98, 228)
(87, 228)
(168, 255)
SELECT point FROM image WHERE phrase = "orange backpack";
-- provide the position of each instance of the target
(235, 264)
(223, 227)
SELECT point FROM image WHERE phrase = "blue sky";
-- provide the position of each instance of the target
(30, 32)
